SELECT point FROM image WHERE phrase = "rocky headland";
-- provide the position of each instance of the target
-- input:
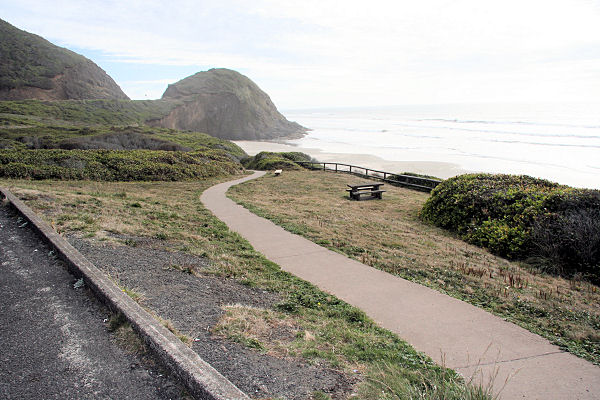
(227, 105)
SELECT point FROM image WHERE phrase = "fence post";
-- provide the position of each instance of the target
(336, 167)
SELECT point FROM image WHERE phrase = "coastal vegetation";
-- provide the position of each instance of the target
(32, 61)
(324, 328)
(265, 160)
(32, 67)
(113, 165)
(88, 112)
(411, 178)
(390, 235)
(554, 227)
(100, 140)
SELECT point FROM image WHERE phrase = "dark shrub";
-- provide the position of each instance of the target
(268, 161)
(416, 179)
(522, 217)
(120, 141)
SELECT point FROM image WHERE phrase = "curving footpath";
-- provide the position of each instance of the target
(467, 339)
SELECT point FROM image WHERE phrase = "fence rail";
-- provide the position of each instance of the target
(409, 181)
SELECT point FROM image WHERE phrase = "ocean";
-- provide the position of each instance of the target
(559, 142)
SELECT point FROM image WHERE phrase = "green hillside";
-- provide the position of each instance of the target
(33, 68)
(105, 140)
(27, 59)
(89, 112)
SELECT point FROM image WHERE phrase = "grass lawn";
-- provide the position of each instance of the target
(325, 328)
(388, 234)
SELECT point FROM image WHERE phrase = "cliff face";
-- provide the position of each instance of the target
(33, 68)
(227, 105)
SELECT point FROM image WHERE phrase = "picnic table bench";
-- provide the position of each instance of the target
(365, 191)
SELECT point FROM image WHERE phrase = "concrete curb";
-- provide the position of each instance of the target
(199, 377)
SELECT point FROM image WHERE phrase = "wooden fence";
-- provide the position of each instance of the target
(409, 181)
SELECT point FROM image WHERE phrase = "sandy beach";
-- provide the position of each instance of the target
(439, 169)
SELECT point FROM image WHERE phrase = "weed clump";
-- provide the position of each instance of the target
(555, 227)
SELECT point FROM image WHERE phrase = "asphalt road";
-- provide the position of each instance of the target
(54, 341)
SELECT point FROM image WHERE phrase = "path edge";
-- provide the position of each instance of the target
(200, 378)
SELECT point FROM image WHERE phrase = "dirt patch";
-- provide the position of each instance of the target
(194, 304)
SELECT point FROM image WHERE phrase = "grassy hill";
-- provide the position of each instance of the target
(50, 123)
(32, 67)
(87, 112)
(30, 60)
(105, 140)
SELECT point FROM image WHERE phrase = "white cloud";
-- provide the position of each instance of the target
(319, 52)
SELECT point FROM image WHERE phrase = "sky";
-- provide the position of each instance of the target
(324, 53)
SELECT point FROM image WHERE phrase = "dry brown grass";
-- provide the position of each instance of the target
(106, 209)
(308, 323)
(388, 234)
(267, 330)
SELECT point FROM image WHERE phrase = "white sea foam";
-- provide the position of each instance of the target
(552, 141)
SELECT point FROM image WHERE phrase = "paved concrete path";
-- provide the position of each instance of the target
(472, 341)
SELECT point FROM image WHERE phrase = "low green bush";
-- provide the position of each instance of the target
(416, 179)
(22, 133)
(268, 161)
(521, 217)
(114, 165)
(103, 112)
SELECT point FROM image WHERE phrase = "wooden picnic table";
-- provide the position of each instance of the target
(365, 191)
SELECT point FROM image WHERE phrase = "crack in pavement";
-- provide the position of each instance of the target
(511, 360)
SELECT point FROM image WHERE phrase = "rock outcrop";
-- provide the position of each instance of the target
(33, 68)
(227, 105)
